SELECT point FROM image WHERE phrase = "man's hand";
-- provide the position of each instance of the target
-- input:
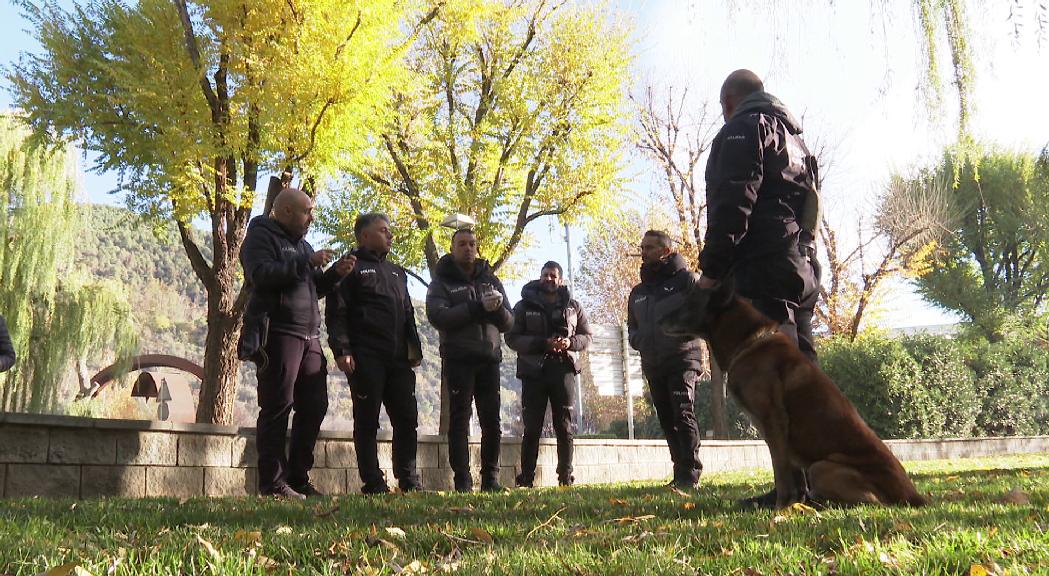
(557, 344)
(706, 282)
(563, 344)
(344, 265)
(492, 301)
(416, 362)
(346, 364)
(321, 258)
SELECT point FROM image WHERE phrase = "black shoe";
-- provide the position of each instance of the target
(464, 487)
(308, 490)
(494, 486)
(566, 481)
(284, 492)
(684, 484)
(381, 488)
(412, 487)
(523, 481)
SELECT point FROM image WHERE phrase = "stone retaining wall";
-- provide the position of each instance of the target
(61, 456)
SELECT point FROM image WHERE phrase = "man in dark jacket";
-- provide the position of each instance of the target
(468, 306)
(763, 208)
(762, 212)
(372, 332)
(281, 334)
(671, 364)
(549, 330)
(7, 350)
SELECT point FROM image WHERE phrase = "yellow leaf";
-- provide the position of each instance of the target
(688, 505)
(266, 563)
(212, 551)
(283, 530)
(978, 570)
(70, 569)
(617, 502)
(248, 538)
(482, 535)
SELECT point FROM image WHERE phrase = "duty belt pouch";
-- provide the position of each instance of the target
(253, 338)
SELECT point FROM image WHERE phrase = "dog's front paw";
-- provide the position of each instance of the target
(766, 501)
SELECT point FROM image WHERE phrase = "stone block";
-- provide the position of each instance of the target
(23, 444)
(47, 480)
(230, 481)
(123, 481)
(428, 455)
(340, 454)
(147, 448)
(320, 457)
(79, 446)
(385, 453)
(204, 450)
(3, 478)
(174, 481)
(330, 481)
(244, 452)
(437, 479)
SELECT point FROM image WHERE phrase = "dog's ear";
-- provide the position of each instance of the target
(724, 293)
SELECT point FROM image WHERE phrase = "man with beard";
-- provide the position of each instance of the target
(467, 305)
(372, 332)
(281, 335)
(549, 330)
(671, 364)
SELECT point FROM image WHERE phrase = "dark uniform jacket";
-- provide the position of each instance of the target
(284, 286)
(453, 306)
(7, 350)
(370, 311)
(535, 322)
(662, 289)
(761, 187)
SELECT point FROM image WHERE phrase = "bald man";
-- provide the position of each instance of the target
(281, 335)
(762, 211)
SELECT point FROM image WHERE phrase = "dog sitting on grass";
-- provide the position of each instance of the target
(808, 424)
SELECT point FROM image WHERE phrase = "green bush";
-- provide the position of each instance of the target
(1015, 377)
(949, 383)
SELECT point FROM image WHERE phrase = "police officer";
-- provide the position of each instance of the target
(281, 334)
(671, 364)
(549, 330)
(469, 308)
(372, 332)
(762, 212)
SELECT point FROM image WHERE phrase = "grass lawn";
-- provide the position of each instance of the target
(989, 516)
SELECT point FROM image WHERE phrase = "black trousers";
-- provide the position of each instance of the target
(377, 382)
(555, 387)
(673, 392)
(785, 288)
(469, 382)
(295, 375)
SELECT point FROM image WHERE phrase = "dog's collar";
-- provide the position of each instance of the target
(752, 341)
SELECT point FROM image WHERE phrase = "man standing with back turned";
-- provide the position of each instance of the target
(671, 364)
(281, 335)
(468, 306)
(763, 208)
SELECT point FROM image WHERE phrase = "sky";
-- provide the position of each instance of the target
(850, 70)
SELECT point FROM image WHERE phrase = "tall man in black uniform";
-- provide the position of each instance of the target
(671, 364)
(469, 308)
(763, 207)
(281, 334)
(549, 330)
(372, 332)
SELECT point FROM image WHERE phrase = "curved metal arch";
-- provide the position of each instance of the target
(110, 373)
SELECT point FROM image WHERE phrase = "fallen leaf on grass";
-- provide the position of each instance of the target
(464, 510)
(212, 551)
(617, 502)
(1016, 496)
(70, 569)
(283, 530)
(482, 535)
(326, 513)
(248, 538)
(748, 571)
(415, 567)
(631, 519)
(688, 505)
(266, 563)
(987, 569)
(396, 532)
(644, 535)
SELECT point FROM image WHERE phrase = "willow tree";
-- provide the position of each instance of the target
(55, 313)
(190, 102)
(513, 112)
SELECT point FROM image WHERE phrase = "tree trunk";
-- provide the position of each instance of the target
(221, 366)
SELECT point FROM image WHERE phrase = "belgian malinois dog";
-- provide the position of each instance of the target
(806, 421)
